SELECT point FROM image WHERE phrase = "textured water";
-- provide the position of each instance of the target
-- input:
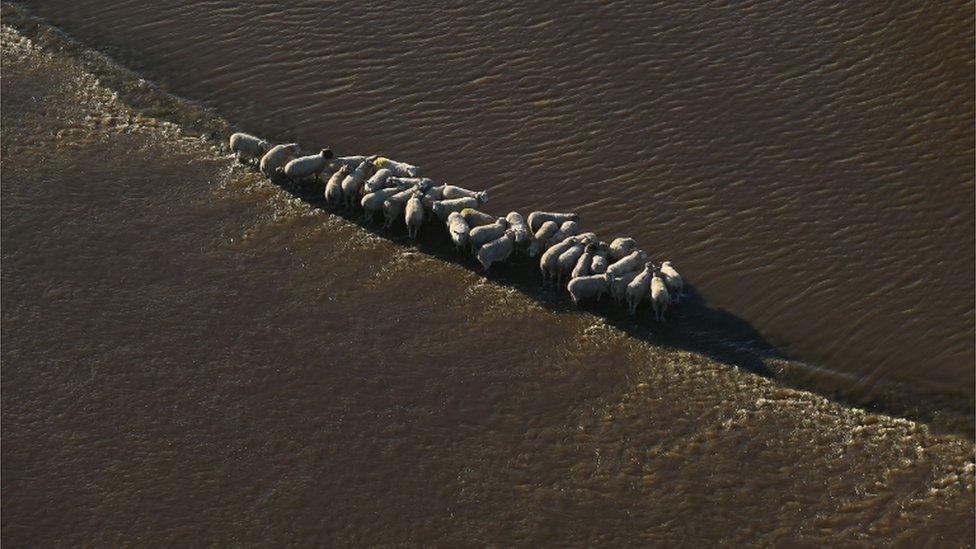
(191, 355)
(809, 167)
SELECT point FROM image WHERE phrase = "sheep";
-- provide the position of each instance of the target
(497, 250)
(277, 157)
(458, 228)
(583, 287)
(433, 194)
(248, 148)
(549, 261)
(350, 162)
(588, 238)
(443, 208)
(521, 228)
(567, 261)
(308, 166)
(480, 236)
(393, 207)
(618, 285)
(373, 202)
(631, 262)
(450, 191)
(582, 267)
(476, 218)
(333, 189)
(599, 263)
(353, 183)
(536, 219)
(400, 169)
(659, 297)
(621, 247)
(394, 179)
(414, 214)
(673, 281)
(546, 231)
(638, 288)
(377, 181)
(568, 228)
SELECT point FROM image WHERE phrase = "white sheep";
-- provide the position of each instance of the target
(450, 191)
(621, 247)
(673, 281)
(549, 262)
(378, 181)
(599, 264)
(393, 207)
(443, 208)
(408, 180)
(541, 237)
(521, 228)
(400, 169)
(480, 236)
(638, 288)
(353, 183)
(277, 157)
(631, 262)
(248, 148)
(497, 250)
(618, 285)
(659, 297)
(333, 189)
(584, 287)
(587, 238)
(582, 267)
(536, 219)
(414, 214)
(568, 260)
(350, 162)
(568, 228)
(431, 195)
(458, 228)
(312, 166)
(476, 218)
(373, 202)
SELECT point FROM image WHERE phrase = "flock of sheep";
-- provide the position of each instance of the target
(588, 267)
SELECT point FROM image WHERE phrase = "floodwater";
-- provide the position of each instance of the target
(195, 356)
(808, 167)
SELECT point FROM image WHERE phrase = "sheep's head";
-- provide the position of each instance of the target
(503, 222)
(590, 248)
(264, 147)
(327, 153)
(482, 197)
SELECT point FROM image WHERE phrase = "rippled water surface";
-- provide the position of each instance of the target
(195, 356)
(809, 167)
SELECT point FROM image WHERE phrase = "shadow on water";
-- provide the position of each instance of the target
(690, 325)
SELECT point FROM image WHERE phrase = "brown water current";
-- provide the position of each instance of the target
(192, 355)
(808, 167)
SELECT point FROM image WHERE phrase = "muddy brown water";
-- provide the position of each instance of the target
(808, 168)
(191, 355)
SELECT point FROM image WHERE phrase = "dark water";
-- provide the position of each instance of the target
(808, 167)
(192, 356)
